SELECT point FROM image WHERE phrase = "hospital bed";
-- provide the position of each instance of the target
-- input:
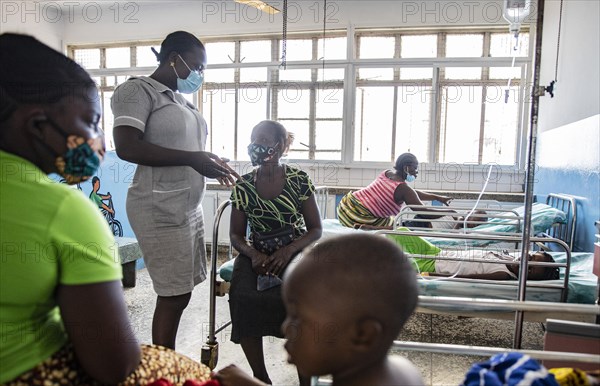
(569, 288)
(555, 218)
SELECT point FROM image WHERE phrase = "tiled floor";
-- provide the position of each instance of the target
(437, 369)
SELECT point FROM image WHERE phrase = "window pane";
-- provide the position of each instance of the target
(114, 81)
(416, 73)
(373, 123)
(145, 57)
(503, 44)
(297, 49)
(295, 75)
(257, 51)
(253, 74)
(218, 53)
(329, 102)
(505, 72)
(118, 57)
(335, 48)
(463, 72)
(292, 102)
(328, 140)
(464, 46)
(376, 73)
(299, 149)
(377, 47)
(252, 108)
(419, 46)
(88, 58)
(460, 124)
(500, 126)
(412, 120)
(330, 74)
(218, 108)
(107, 121)
(215, 75)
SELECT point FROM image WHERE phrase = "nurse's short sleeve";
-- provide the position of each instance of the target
(131, 104)
(85, 248)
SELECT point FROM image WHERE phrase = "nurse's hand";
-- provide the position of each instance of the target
(212, 166)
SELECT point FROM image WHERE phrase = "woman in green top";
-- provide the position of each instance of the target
(271, 199)
(63, 316)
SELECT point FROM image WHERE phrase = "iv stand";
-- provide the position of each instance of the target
(530, 174)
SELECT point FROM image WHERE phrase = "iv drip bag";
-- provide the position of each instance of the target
(515, 11)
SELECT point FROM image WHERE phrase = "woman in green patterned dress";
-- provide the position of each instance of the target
(277, 202)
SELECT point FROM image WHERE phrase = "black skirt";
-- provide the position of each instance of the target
(253, 313)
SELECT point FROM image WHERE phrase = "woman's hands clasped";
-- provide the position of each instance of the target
(213, 166)
(276, 263)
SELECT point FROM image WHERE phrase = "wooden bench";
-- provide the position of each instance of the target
(129, 252)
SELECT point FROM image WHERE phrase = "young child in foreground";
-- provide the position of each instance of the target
(342, 320)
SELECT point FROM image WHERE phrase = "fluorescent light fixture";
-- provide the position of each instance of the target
(260, 5)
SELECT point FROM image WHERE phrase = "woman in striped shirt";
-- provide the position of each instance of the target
(375, 206)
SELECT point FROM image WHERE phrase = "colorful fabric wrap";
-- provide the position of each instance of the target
(509, 369)
(351, 211)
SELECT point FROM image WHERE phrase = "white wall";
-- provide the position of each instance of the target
(44, 21)
(155, 19)
(577, 93)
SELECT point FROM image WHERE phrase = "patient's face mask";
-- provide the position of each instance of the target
(192, 83)
(82, 158)
(409, 177)
(259, 154)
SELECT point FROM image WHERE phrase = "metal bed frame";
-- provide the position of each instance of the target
(567, 204)
(501, 305)
(209, 352)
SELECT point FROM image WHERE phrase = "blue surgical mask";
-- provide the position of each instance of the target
(259, 154)
(192, 83)
(409, 177)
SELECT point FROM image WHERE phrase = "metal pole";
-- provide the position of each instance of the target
(530, 175)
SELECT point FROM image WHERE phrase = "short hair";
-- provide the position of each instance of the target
(283, 136)
(369, 272)
(404, 160)
(549, 273)
(178, 41)
(33, 73)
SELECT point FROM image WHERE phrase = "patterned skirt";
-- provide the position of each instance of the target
(157, 362)
(351, 211)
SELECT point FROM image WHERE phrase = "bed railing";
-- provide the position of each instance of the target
(210, 350)
(507, 305)
(522, 284)
(322, 197)
(409, 211)
(567, 204)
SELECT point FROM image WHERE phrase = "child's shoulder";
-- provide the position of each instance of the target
(403, 372)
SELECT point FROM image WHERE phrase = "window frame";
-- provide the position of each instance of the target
(351, 65)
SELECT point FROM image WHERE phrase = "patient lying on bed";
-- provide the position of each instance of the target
(488, 271)
(343, 321)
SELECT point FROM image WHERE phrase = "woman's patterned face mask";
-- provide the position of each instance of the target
(259, 154)
(82, 158)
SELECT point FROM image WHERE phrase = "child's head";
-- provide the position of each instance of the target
(477, 218)
(542, 273)
(269, 141)
(346, 300)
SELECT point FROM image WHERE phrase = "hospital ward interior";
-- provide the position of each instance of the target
(308, 192)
